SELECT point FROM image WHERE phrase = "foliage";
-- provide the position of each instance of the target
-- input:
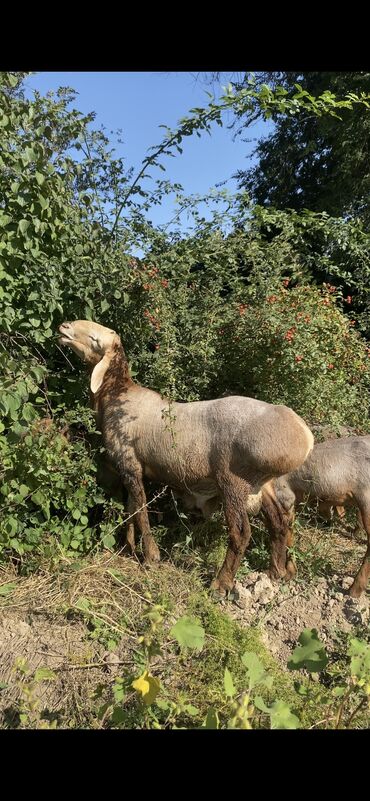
(229, 307)
(316, 162)
(340, 703)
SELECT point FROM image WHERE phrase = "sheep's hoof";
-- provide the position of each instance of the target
(276, 574)
(152, 557)
(220, 593)
(233, 595)
(291, 571)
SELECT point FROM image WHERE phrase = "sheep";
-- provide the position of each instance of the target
(226, 448)
(327, 511)
(337, 473)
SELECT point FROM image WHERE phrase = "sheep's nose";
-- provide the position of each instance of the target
(64, 327)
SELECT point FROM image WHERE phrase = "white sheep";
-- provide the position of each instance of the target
(227, 448)
(336, 473)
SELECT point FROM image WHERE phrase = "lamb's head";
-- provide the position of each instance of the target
(93, 343)
(89, 340)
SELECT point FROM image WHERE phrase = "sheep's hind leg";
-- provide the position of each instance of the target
(235, 496)
(360, 583)
(279, 522)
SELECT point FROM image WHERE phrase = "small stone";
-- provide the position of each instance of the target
(353, 615)
(245, 596)
(263, 590)
(298, 620)
(346, 582)
(112, 661)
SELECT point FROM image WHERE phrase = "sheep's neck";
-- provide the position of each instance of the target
(117, 379)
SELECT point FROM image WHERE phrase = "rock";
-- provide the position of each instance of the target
(352, 614)
(245, 596)
(112, 661)
(265, 597)
(23, 628)
(251, 578)
(346, 582)
(263, 590)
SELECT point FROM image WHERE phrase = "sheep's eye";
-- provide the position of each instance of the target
(94, 339)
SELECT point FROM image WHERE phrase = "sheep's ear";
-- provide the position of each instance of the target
(98, 373)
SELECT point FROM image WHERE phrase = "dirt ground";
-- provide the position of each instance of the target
(282, 611)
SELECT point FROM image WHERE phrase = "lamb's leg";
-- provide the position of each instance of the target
(137, 506)
(325, 511)
(235, 495)
(361, 579)
(279, 519)
(341, 512)
(359, 525)
(130, 527)
(291, 569)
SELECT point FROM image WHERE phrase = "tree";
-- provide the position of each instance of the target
(317, 162)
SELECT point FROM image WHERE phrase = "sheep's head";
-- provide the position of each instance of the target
(93, 343)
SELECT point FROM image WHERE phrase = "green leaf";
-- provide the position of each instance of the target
(108, 541)
(40, 178)
(212, 720)
(5, 219)
(28, 412)
(260, 704)
(79, 250)
(12, 79)
(118, 715)
(44, 202)
(191, 710)
(360, 662)
(188, 633)
(229, 684)
(310, 654)
(6, 589)
(256, 670)
(23, 225)
(282, 717)
(83, 604)
(42, 674)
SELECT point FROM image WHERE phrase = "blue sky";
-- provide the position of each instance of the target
(138, 102)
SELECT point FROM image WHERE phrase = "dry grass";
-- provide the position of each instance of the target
(65, 621)
(73, 617)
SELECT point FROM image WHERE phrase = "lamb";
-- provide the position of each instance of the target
(226, 448)
(337, 473)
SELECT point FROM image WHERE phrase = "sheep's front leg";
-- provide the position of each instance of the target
(137, 507)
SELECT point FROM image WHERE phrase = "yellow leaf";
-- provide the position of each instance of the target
(148, 686)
